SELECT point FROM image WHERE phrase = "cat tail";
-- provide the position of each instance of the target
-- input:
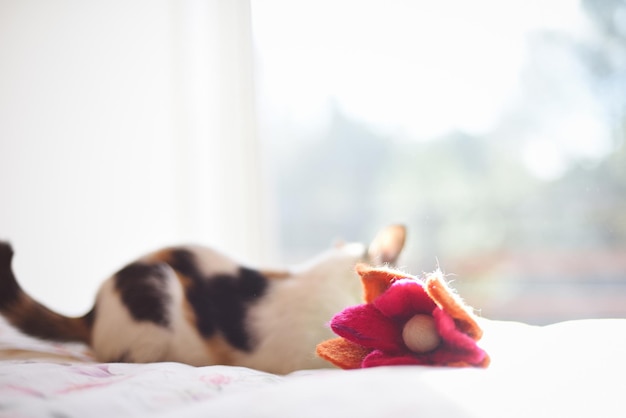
(30, 316)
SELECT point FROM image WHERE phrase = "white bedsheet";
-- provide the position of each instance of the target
(571, 369)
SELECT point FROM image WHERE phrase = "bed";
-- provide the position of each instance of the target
(569, 369)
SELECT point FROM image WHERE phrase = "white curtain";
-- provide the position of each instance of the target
(125, 126)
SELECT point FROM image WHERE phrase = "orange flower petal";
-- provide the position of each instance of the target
(483, 364)
(452, 304)
(376, 280)
(342, 353)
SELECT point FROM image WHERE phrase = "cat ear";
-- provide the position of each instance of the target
(387, 246)
(338, 243)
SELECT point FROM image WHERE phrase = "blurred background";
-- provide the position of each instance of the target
(269, 128)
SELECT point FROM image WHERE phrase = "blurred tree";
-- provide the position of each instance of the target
(542, 192)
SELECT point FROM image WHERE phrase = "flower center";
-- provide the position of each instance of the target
(420, 334)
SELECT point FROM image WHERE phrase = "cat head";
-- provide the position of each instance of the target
(386, 246)
(384, 249)
(335, 270)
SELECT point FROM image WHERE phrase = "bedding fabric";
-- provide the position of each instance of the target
(569, 369)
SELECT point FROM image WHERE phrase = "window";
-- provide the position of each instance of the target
(493, 130)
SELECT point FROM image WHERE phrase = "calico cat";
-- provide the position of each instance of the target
(193, 305)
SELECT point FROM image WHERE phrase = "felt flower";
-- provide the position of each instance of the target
(404, 321)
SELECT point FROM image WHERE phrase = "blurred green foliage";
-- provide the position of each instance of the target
(471, 203)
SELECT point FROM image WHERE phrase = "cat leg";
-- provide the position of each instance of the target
(133, 314)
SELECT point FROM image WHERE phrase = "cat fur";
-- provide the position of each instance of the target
(194, 305)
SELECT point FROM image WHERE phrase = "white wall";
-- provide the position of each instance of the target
(124, 126)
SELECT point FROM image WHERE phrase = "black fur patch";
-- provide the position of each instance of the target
(143, 290)
(221, 302)
(125, 357)
(9, 289)
(90, 317)
(30, 316)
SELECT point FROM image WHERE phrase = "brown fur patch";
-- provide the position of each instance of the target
(215, 304)
(164, 255)
(219, 350)
(185, 281)
(276, 274)
(35, 319)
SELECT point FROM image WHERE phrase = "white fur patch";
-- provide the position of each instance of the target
(293, 317)
(118, 336)
(285, 324)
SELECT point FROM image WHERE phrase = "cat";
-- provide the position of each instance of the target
(193, 305)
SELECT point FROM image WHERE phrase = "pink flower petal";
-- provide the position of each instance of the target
(450, 355)
(457, 346)
(450, 333)
(380, 358)
(366, 326)
(404, 299)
